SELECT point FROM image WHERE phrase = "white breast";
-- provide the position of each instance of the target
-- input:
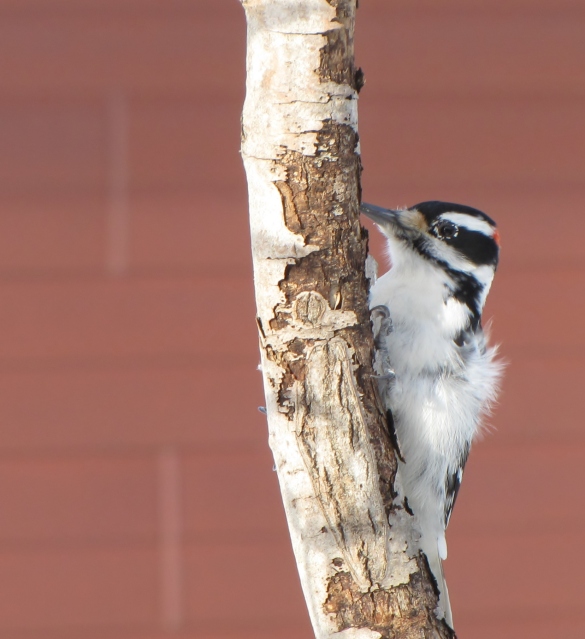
(425, 319)
(437, 397)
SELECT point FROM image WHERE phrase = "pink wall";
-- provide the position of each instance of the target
(134, 470)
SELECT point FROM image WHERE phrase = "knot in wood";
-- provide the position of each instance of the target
(309, 307)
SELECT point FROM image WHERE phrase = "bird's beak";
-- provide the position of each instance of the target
(381, 216)
(404, 223)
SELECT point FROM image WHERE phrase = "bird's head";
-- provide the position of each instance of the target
(458, 239)
(457, 236)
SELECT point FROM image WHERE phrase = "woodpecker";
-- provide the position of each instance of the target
(441, 377)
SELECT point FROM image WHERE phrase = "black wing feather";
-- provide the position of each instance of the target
(452, 485)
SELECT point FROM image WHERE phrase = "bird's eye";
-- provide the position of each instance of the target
(446, 230)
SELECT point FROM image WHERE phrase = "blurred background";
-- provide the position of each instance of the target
(137, 498)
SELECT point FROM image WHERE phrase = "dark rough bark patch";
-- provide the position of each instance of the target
(400, 613)
(320, 203)
(337, 61)
(333, 63)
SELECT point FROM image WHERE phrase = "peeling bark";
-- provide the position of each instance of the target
(353, 538)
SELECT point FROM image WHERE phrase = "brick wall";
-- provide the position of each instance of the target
(134, 469)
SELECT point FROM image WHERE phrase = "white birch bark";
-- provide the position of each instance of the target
(316, 347)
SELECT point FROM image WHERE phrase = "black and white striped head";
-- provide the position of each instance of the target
(459, 239)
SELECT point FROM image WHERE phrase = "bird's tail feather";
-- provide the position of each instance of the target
(436, 566)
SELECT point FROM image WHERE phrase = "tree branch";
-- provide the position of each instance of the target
(354, 542)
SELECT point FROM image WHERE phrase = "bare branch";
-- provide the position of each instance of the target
(359, 565)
